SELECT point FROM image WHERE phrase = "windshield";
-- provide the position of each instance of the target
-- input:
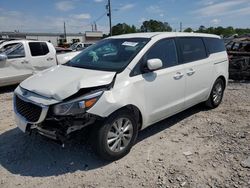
(109, 54)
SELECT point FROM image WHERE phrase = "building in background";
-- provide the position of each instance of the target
(56, 38)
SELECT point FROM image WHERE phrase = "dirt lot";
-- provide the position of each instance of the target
(196, 148)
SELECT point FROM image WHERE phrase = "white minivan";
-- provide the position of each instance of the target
(121, 85)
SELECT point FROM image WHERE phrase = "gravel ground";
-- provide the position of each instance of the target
(196, 148)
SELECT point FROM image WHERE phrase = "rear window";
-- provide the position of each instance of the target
(192, 49)
(214, 45)
(38, 48)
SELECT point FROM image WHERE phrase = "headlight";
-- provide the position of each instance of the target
(77, 106)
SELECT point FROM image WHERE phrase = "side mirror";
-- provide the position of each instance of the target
(3, 57)
(154, 64)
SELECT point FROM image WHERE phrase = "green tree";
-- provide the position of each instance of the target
(154, 26)
(189, 30)
(241, 31)
(202, 29)
(123, 28)
(210, 30)
(133, 29)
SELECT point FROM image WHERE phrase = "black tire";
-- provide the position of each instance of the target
(211, 102)
(100, 141)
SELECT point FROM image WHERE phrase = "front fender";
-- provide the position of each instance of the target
(116, 98)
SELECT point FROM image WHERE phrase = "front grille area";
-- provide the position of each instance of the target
(30, 111)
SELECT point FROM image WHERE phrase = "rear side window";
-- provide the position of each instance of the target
(38, 48)
(192, 49)
(214, 45)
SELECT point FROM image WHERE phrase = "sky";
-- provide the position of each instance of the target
(79, 15)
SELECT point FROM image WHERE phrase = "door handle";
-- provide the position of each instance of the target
(178, 76)
(190, 72)
(50, 59)
(25, 62)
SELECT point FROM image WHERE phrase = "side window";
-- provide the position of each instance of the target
(165, 50)
(16, 51)
(214, 45)
(192, 49)
(8, 46)
(38, 48)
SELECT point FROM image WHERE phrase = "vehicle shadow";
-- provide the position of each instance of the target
(33, 155)
(36, 156)
(169, 122)
(7, 89)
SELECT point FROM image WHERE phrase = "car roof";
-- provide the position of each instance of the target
(163, 34)
(21, 40)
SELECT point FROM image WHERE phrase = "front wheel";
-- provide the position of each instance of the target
(116, 136)
(216, 94)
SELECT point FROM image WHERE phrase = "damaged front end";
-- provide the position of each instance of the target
(59, 120)
(60, 128)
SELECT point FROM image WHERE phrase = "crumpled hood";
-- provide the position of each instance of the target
(61, 81)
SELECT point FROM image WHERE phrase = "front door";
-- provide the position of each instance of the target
(163, 90)
(16, 68)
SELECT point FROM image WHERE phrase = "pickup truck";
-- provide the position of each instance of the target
(20, 59)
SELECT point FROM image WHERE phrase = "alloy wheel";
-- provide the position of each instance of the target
(120, 134)
(217, 93)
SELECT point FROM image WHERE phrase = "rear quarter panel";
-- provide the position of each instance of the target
(220, 66)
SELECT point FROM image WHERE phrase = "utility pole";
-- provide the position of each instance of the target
(65, 35)
(108, 7)
(180, 26)
(95, 26)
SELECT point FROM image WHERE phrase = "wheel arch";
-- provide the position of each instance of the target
(134, 110)
(223, 79)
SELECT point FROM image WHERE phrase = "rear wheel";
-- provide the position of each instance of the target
(116, 136)
(216, 94)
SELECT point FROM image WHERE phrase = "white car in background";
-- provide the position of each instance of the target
(80, 46)
(20, 59)
(121, 85)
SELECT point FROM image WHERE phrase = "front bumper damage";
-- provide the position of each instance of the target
(60, 128)
(33, 117)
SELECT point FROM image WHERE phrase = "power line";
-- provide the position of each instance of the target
(94, 20)
(100, 17)
(93, 24)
